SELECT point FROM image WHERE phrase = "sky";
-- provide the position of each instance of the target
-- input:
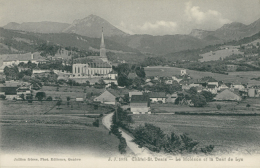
(155, 17)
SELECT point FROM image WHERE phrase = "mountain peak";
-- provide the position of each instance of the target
(233, 25)
(91, 26)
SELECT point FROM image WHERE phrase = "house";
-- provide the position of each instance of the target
(227, 95)
(15, 59)
(185, 87)
(168, 81)
(139, 104)
(212, 81)
(222, 87)
(171, 98)
(238, 86)
(148, 80)
(9, 92)
(108, 82)
(134, 93)
(112, 75)
(149, 84)
(26, 91)
(176, 79)
(106, 97)
(157, 97)
(212, 88)
(183, 72)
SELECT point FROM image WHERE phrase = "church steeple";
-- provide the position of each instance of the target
(102, 46)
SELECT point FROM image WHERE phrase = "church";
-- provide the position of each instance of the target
(94, 65)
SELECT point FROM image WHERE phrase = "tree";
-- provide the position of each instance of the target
(208, 95)
(22, 96)
(11, 72)
(49, 98)
(2, 97)
(122, 145)
(68, 101)
(193, 90)
(58, 103)
(87, 83)
(198, 100)
(248, 105)
(218, 106)
(140, 72)
(123, 81)
(40, 95)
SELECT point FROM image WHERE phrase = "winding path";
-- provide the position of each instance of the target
(107, 121)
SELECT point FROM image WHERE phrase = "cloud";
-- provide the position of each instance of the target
(210, 17)
(158, 28)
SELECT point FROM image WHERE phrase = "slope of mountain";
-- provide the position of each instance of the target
(91, 26)
(38, 27)
(160, 45)
(200, 33)
(28, 42)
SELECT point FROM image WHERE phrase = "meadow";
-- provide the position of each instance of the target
(229, 134)
(26, 129)
(211, 107)
(244, 77)
(66, 91)
(216, 55)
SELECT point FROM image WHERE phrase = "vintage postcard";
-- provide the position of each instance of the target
(129, 83)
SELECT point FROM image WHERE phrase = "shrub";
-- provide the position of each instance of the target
(95, 106)
(49, 98)
(96, 123)
(122, 145)
(207, 149)
(2, 97)
(218, 106)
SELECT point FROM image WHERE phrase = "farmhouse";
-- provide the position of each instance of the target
(239, 86)
(26, 91)
(171, 98)
(157, 97)
(106, 97)
(140, 104)
(134, 93)
(212, 88)
(227, 95)
(9, 92)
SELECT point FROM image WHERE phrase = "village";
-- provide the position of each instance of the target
(150, 94)
(150, 110)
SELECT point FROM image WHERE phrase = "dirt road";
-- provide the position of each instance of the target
(107, 121)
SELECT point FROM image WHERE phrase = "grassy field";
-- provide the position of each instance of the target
(66, 91)
(216, 55)
(226, 107)
(24, 129)
(229, 135)
(232, 77)
(49, 107)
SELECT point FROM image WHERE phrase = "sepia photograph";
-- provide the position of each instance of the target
(129, 83)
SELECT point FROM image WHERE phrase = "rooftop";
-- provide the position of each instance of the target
(139, 99)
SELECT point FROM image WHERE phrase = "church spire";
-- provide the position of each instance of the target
(102, 45)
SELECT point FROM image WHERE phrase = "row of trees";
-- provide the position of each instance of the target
(156, 140)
